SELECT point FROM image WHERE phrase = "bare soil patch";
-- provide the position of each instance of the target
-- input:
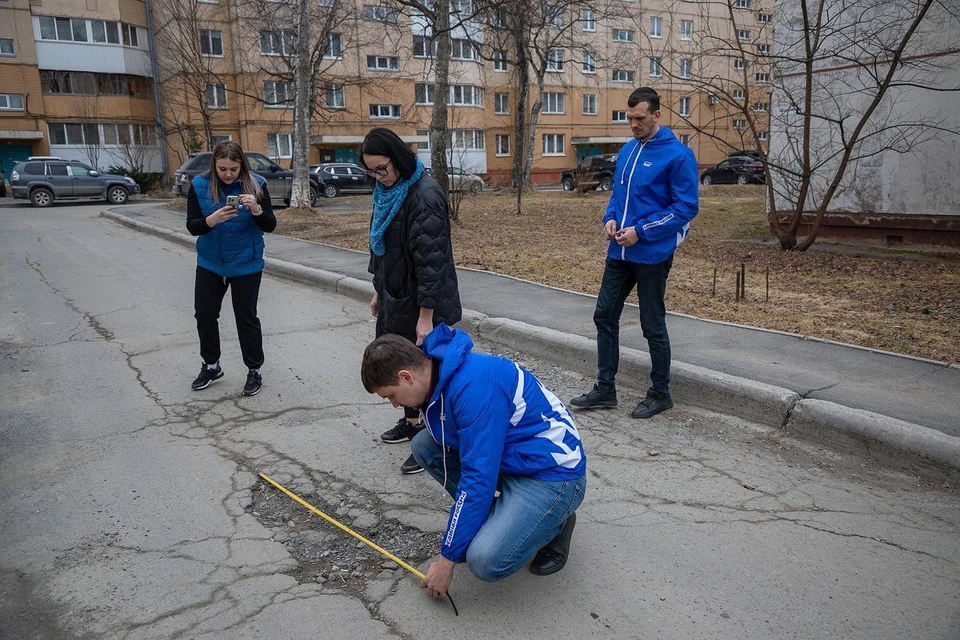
(905, 302)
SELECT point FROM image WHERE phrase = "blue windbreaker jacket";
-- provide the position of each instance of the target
(501, 419)
(233, 248)
(655, 189)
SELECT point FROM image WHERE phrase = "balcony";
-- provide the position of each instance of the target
(58, 55)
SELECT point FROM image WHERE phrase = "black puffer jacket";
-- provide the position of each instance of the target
(416, 269)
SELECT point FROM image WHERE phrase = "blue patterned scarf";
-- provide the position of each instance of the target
(386, 204)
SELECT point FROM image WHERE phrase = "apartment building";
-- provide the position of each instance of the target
(76, 82)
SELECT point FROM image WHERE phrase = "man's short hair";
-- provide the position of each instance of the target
(644, 94)
(385, 357)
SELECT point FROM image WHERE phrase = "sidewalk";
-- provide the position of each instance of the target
(920, 392)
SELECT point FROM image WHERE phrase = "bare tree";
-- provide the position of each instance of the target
(88, 110)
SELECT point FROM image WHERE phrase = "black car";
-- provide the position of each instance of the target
(593, 172)
(48, 179)
(279, 180)
(736, 170)
(343, 177)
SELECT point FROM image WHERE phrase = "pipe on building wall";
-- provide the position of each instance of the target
(151, 38)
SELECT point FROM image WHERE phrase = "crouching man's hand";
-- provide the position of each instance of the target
(438, 578)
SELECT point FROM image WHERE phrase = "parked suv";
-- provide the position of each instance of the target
(344, 177)
(48, 179)
(279, 180)
(593, 172)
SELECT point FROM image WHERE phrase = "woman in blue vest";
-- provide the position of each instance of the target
(229, 254)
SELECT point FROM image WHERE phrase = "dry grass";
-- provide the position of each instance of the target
(906, 303)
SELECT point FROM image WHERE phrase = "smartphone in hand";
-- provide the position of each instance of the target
(233, 201)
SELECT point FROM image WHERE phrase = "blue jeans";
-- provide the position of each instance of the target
(528, 514)
(619, 279)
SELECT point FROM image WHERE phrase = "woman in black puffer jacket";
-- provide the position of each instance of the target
(411, 259)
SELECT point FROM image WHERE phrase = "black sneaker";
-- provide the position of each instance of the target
(254, 383)
(206, 377)
(410, 466)
(653, 404)
(596, 399)
(401, 432)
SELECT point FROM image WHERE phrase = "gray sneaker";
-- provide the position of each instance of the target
(596, 399)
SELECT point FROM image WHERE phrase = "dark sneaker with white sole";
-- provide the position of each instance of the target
(401, 432)
(206, 377)
(653, 404)
(596, 399)
(254, 383)
(410, 466)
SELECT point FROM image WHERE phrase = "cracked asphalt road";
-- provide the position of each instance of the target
(130, 505)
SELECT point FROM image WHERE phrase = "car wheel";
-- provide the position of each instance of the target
(314, 196)
(742, 179)
(330, 190)
(117, 195)
(606, 184)
(41, 197)
(706, 181)
(476, 187)
(567, 184)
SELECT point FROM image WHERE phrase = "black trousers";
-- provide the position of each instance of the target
(412, 337)
(207, 301)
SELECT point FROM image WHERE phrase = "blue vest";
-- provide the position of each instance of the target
(232, 248)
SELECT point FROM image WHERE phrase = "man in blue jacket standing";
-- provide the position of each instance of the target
(655, 196)
(491, 427)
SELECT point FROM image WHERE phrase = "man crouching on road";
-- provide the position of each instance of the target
(491, 426)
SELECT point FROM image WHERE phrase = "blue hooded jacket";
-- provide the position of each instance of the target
(235, 247)
(501, 419)
(655, 190)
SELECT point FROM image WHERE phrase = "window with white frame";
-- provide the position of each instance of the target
(685, 139)
(383, 63)
(685, 106)
(762, 78)
(743, 35)
(713, 99)
(741, 4)
(465, 95)
(381, 111)
(762, 107)
(588, 20)
(763, 49)
(379, 14)
(764, 18)
(590, 104)
(465, 139)
(499, 60)
(739, 94)
(624, 35)
(6, 47)
(11, 101)
(424, 47)
(69, 29)
(622, 75)
(463, 7)
(501, 103)
(333, 96)
(217, 138)
(502, 144)
(129, 34)
(211, 43)
(739, 124)
(334, 48)
(555, 60)
(461, 49)
(656, 27)
(686, 29)
(739, 64)
(276, 42)
(554, 17)
(762, 136)
(105, 31)
(277, 94)
(552, 103)
(686, 68)
(553, 144)
(619, 116)
(423, 93)
(279, 145)
(589, 62)
(496, 18)
(656, 69)
(66, 132)
(216, 96)
(423, 146)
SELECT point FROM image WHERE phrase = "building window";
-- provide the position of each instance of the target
(624, 35)
(686, 68)
(762, 107)
(423, 93)
(656, 27)
(619, 116)
(129, 33)
(555, 17)
(686, 29)
(739, 94)
(764, 18)
(762, 136)
(741, 4)
(379, 14)
(216, 96)
(465, 95)
(379, 111)
(622, 75)
(466, 139)
(589, 62)
(6, 47)
(463, 50)
(333, 96)
(276, 43)
(555, 60)
(763, 78)
(211, 43)
(685, 106)
(656, 70)
(714, 99)
(685, 139)
(424, 47)
(552, 103)
(423, 146)
(463, 7)
(501, 103)
(104, 31)
(589, 104)
(739, 64)
(739, 124)
(279, 145)
(502, 144)
(277, 94)
(496, 18)
(553, 144)
(65, 132)
(68, 29)
(383, 63)
(763, 49)
(68, 83)
(334, 48)
(216, 139)
(11, 101)
(499, 60)
(589, 20)
(743, 35)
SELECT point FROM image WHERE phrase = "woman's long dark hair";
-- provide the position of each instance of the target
(384, 142)
(231, 151)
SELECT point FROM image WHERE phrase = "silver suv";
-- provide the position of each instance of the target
(48, 179)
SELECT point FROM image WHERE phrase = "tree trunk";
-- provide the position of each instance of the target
(438, 120)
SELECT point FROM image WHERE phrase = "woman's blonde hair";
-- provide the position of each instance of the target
(232, 151)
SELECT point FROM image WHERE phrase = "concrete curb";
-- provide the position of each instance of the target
(891, 441)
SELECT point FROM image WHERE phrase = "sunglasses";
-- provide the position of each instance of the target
(378, 171)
